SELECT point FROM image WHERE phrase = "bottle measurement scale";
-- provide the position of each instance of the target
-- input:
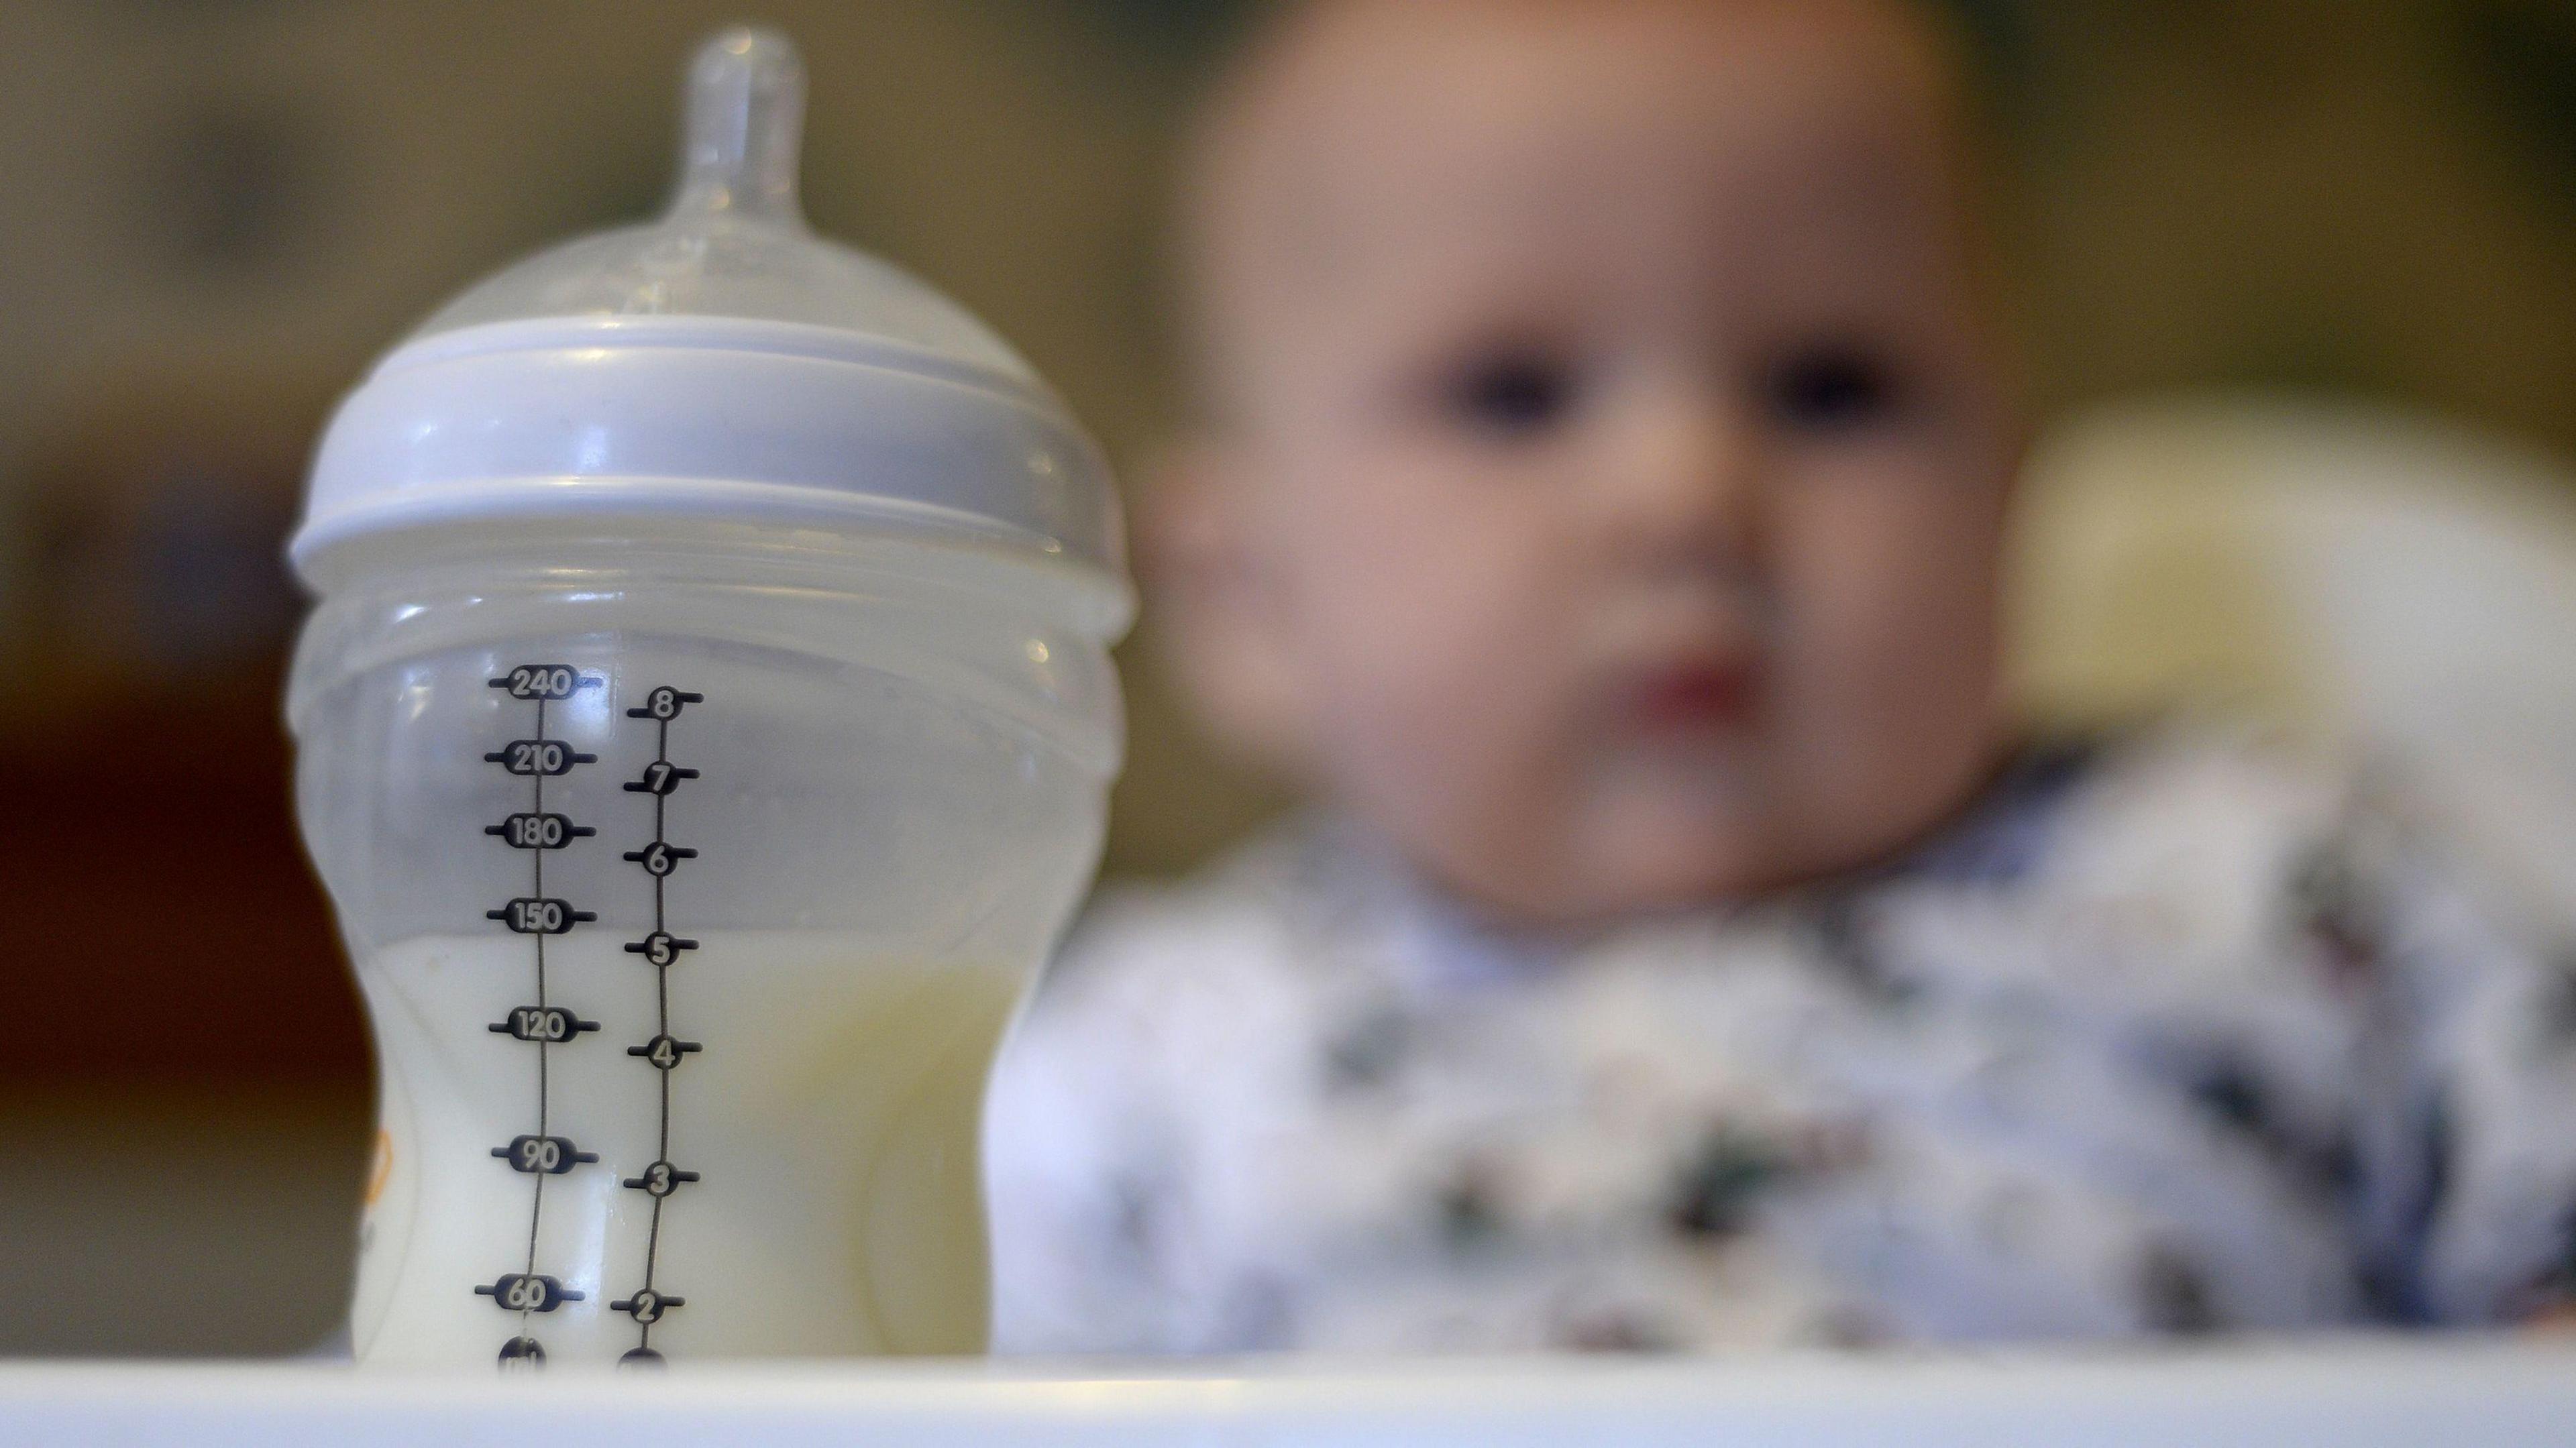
(546, 1025)
(659, 950)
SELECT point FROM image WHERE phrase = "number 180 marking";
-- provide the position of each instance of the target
(528, 830)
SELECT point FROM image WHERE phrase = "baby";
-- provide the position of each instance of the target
(1605, 452)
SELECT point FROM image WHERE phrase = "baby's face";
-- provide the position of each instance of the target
(1618, 456)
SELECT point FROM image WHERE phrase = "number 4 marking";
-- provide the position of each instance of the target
(664, 1052)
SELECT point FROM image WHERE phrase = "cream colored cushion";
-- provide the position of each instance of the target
(2361, 580)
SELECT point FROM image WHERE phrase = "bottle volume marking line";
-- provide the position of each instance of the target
(552, 1024)
(538, 831)
(524, 1293)
(661, 949)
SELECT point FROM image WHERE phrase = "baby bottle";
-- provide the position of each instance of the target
(703, 731)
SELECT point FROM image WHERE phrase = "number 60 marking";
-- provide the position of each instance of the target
(527, 1292)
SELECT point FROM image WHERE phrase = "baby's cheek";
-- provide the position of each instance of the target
(1885, 573)
(1885, 670)
(1447, 681)
(1447, 759)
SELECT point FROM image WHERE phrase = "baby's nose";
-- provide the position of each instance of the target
(1681, 482)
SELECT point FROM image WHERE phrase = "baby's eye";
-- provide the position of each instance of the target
(1512, 394)
(1831, 389)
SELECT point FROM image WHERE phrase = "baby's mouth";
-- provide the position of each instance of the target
(1693, 696)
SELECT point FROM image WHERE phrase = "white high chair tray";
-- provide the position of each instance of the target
(2358, 1393)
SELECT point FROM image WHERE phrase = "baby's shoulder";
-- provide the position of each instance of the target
(2190, 850)
(2184, 772)
(2202, 809)
(2166, 843)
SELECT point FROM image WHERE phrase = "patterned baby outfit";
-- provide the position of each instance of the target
(2165, 1037)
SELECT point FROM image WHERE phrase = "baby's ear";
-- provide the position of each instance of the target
(1214, 605)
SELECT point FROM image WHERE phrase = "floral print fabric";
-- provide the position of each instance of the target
(2166, 1037)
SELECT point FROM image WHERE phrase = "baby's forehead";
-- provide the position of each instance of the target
(1362, 119)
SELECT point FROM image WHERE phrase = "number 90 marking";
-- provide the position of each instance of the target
(553, 1155)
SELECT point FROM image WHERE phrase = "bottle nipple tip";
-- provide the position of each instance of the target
(744, 47)
(746, 109)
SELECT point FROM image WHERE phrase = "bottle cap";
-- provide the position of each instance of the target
(721, 362)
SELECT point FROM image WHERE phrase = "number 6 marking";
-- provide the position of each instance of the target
(659, 859)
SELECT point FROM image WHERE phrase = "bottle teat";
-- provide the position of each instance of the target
(733, 243)
(721, 361)
(745, 116)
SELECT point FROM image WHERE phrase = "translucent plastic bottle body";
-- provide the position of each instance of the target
(690, 891)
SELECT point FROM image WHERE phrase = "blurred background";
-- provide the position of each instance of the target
(213, 213)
